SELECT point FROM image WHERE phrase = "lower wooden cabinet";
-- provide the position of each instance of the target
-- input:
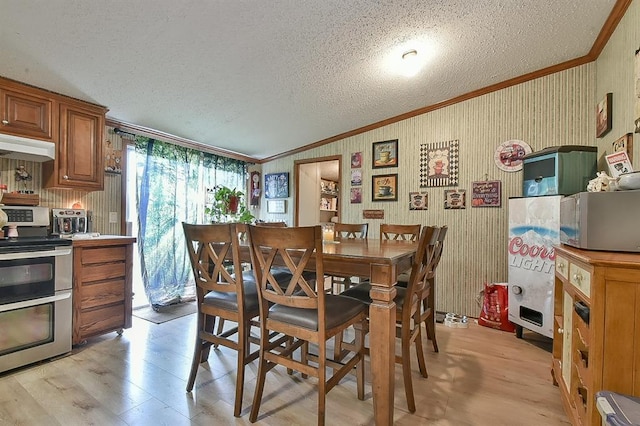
(102, 286)
(596, 342)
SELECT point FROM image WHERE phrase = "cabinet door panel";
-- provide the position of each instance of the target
(80, 148)
(101, 294)
(27, 115)
(567, 314)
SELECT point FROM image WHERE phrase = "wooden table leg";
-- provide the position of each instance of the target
(382, 319)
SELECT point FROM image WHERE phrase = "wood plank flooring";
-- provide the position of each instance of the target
(480, 377)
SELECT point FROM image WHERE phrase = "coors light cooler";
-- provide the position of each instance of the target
(534, 228)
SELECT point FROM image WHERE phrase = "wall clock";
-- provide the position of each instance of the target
(509, 154)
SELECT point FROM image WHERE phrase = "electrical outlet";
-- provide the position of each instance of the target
(113, 217)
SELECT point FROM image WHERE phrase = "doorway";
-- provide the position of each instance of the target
(318, 198)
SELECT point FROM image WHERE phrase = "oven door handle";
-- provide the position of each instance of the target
(60, 295)
(34, 254)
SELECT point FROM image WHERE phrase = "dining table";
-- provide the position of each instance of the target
(381, 261)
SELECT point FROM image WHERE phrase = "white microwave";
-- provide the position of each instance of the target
(601, 220)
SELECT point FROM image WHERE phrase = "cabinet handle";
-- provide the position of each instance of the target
(65, 177)
(5, 122)
(577, 277)
(560, 266)
(560, 330)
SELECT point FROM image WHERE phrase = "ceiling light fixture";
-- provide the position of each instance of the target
(411, 63)
(410, 54)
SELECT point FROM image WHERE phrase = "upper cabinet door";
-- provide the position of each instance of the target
(79, 156)
(27, 115)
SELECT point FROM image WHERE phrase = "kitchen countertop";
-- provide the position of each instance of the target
(103, 240)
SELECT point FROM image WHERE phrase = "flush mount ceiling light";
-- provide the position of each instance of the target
(411, 63)
(410, 55)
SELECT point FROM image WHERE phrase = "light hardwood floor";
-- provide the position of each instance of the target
(480, 377)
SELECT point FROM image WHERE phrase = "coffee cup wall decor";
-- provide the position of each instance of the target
(385, 154)
(384, 188)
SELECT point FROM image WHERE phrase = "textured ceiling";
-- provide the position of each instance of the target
(263, 77)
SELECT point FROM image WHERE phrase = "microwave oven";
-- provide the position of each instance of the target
(558, 170)
(601, 220)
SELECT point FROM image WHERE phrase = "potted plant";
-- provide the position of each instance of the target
(227, 206)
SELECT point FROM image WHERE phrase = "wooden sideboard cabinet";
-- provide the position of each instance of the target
(102, 286)
(79, 163)
(601, 351)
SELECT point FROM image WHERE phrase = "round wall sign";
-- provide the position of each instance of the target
(509, 154)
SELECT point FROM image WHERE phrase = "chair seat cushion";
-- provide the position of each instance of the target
(282, 274)
(338, 310)
(403, 279)
(229, 301)
(361, 292)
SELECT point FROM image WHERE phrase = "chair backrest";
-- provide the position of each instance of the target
(292, 247)
(399, 232)
(272, 224)
(351, 230)
(437, 255)
(210, 247)
(427, 247)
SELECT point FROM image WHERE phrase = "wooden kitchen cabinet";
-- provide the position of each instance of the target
(27, 111)
(78, 163)
(76, 127)
(102, 286)
(601, 352)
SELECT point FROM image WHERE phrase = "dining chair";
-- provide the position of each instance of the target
(223, 292)
(428, 315)
(399, 232)
(394, 232)
(429, 293)
(280, 274)
(301, 313)
(408, 303)
(347, 231)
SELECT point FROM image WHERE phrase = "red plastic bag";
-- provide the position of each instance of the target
(495, 308)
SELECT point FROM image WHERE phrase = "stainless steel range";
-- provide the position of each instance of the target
(35, 290)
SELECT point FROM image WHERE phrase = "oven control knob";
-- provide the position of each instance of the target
(516, 289)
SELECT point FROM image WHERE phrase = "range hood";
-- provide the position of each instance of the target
(18, 148)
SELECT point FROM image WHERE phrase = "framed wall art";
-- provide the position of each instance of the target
(439, 164)
(624, 144)
(356, 160)
(604, 119)
(455, 198)
(418, 201)
(356, 177)
(356, 195)
(384, 188)
(277, 206)
(509, 155)
(276, 185)
(385, 154)
(486, 193)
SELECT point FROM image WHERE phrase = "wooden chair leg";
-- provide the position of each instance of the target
(195, 363)
(242, 354)
(322, 382)
(430, 324)
(359, 329)
(209, 325)
(422, 365)
(219, 330)
(406, 369)
(262, 373)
